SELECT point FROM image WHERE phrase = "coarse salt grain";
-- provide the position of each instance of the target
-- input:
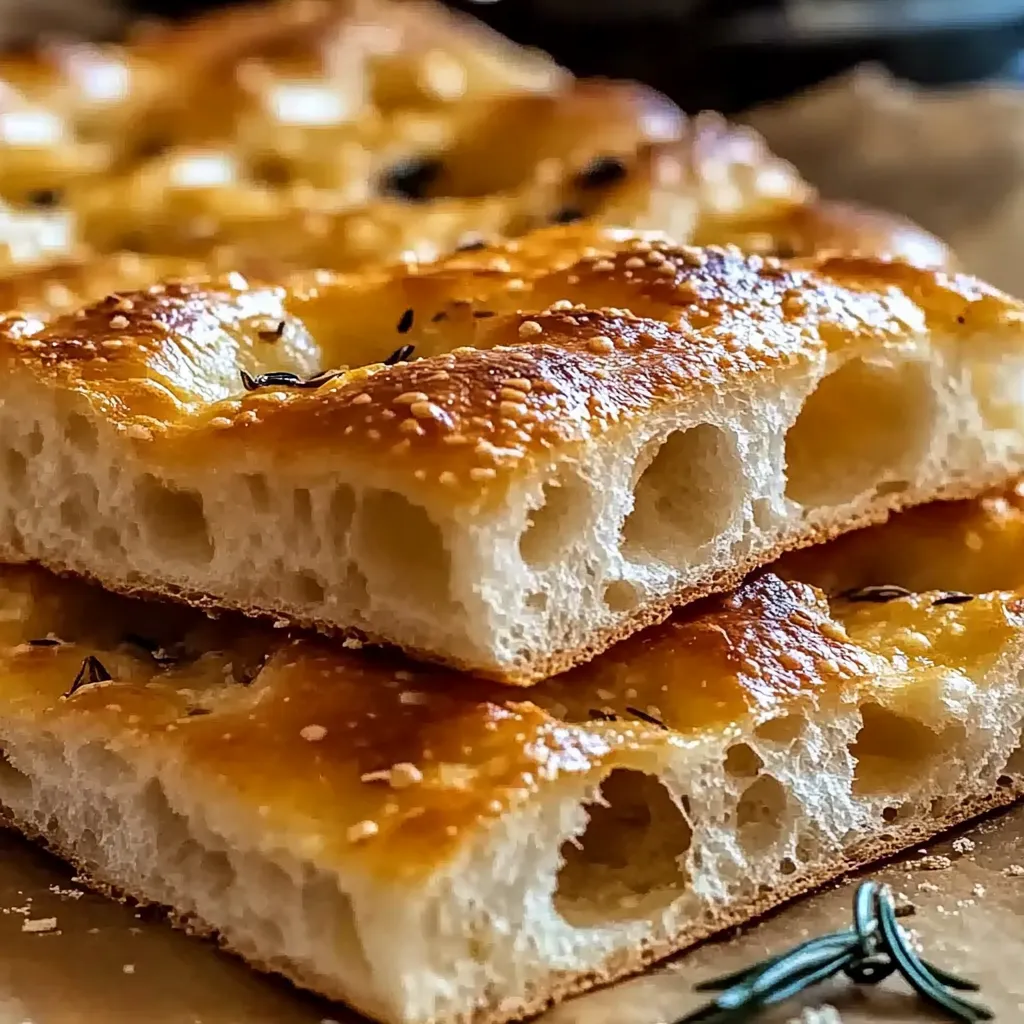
(39, 924)
(362, 830)
(405, 774)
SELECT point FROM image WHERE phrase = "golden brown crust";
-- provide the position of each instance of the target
(970, 546)
(529, 349)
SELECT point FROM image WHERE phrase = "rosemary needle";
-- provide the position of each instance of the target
(869, 952)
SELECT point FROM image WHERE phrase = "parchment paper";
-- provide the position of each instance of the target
(953, 160)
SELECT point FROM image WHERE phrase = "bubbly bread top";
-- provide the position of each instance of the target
(518, 350)
(352, 131)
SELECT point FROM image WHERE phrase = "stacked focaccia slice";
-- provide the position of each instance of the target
(508, 459)
(431, 847)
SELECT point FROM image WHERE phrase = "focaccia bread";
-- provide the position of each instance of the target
(429, 848)
(593, 427)
(346, 131)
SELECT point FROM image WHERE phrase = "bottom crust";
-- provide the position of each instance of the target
(562, 986)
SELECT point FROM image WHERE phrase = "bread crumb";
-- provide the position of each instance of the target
(313, 733)
(529, 329)
(978, 891)
(1014, 871)
(934, 862)
(128, 968)
(963, 845)
(927, 887)
(39, 924)
(69, 894)
(826, 1014)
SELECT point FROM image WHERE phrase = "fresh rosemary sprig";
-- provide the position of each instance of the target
(869, 952)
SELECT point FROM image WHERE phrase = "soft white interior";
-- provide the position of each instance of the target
(577, 880)
(578, 548)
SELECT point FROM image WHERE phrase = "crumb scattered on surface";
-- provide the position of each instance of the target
(313, 733)
(978, 891)
(825, 1014)
(964, 845)
(933, 862)
(67, 894)
(903, 903)
(39, 924)
(128, 968)
(927, 887)
(1014, 871)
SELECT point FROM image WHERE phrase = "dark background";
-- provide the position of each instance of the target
(730, 54)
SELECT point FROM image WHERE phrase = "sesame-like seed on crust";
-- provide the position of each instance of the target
(409, 397)
(361, 831)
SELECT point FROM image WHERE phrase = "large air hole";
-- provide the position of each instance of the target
(629, 861)
(761, 812)
(685, 496)
(742, 761)
(865, 425)
(551, 528)
(1015, 765)
(79, 508)
(401, 550)
(340, 511)
(15, 468)
(173, 520)
(893, 751)
(784, 729)
(15, 786)
(80, 433)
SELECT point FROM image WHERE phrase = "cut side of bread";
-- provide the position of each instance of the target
(591, 428)
(429, 848)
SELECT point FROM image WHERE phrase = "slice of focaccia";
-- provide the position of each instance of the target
(510, 458)
(429, 847)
